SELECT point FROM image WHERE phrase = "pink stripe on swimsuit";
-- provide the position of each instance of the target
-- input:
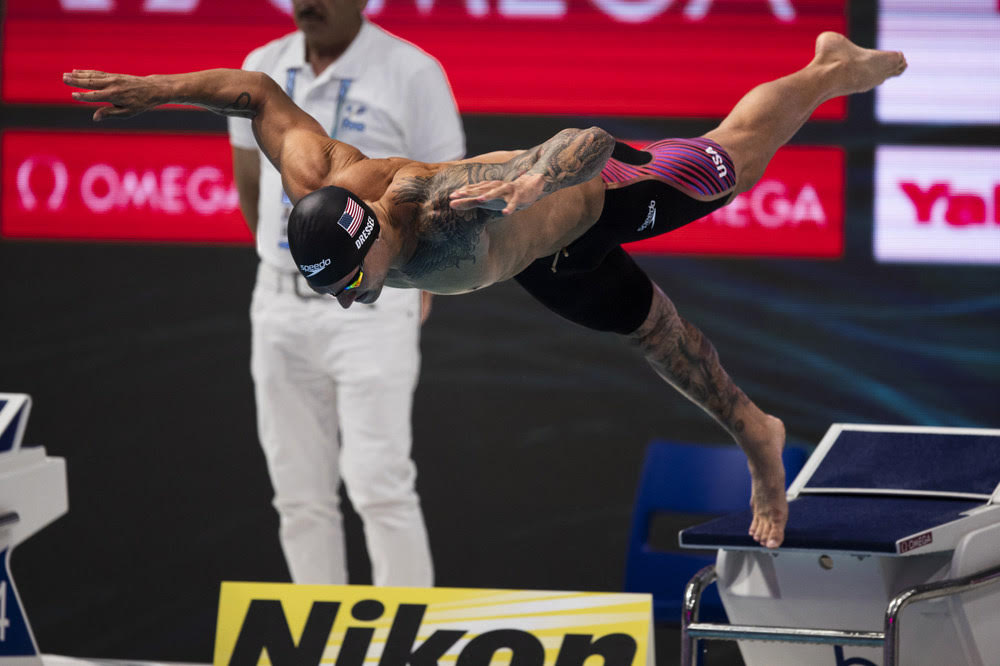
(698, 167)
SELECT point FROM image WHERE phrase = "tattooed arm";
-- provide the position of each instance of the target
(231, 92)
(569, 158)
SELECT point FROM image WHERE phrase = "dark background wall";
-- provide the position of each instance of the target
(529, 432)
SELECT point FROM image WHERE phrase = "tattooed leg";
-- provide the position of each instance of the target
(684, 357)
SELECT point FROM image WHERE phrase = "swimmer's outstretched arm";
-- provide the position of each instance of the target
(231, 92)
(571, 157)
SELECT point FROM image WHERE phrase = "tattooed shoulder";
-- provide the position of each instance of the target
(447, 238)
(435, 220)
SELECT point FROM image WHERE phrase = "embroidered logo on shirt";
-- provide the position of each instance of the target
(650, 217)
(351, 119)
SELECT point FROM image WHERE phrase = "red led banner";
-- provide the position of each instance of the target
(159, 187)
(796, 210)
(108, 186)
(692, 58)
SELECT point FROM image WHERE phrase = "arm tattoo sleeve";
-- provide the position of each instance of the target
(569, 158)
(572, 157)
(436, 219)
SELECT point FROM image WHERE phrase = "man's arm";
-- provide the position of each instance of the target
(569, 158)
(246, 172)
(231, 92)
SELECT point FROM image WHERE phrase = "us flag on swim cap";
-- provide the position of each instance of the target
(352, 217)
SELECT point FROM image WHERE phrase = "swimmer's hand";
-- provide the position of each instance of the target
(127, 95)
(501, 195)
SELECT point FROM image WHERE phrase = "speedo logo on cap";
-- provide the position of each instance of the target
(311, 269)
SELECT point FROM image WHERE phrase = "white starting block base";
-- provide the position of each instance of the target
(32, 494)
(851, 592)
(876, 512)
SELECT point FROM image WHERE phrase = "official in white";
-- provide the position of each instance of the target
(334, 387)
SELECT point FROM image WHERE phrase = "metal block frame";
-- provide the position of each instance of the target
(692, 630)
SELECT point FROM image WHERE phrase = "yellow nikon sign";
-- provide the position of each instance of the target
(347, 625)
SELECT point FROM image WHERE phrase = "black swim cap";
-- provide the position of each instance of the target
(329, 232)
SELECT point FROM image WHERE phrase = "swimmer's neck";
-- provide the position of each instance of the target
(395, 246)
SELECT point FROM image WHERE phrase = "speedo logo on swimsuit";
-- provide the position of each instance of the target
(312, 269)
(650, 217)
(717, 160)
(364, 234)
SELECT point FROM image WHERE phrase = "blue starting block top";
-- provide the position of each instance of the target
(881, 489)
(957, 464)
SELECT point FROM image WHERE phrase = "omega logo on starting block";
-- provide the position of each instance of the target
(924, 539)
(353, 625)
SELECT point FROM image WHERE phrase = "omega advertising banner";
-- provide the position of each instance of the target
(119, 186)
(281, 623)
(179, 188)
(593, 57)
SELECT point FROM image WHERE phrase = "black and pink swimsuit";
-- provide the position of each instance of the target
(664, 186)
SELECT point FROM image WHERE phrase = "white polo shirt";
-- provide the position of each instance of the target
(384, 96)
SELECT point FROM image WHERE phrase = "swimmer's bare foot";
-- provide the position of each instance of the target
(857, 69)
(763, 444)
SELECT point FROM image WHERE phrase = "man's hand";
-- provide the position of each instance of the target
(500, 195)
(127, 95)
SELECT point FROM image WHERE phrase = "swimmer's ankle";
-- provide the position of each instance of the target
(762, 440)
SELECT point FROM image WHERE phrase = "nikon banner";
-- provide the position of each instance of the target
(347, 625)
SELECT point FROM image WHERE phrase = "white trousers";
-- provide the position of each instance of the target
(319, 370)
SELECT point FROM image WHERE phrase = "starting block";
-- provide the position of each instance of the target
(880, 518)
(32, 495)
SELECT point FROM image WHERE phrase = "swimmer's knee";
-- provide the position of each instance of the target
(748, 161)
(749, 172)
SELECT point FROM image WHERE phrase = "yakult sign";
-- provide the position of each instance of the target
(796, 210)
(119, 187)
(938, 205)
